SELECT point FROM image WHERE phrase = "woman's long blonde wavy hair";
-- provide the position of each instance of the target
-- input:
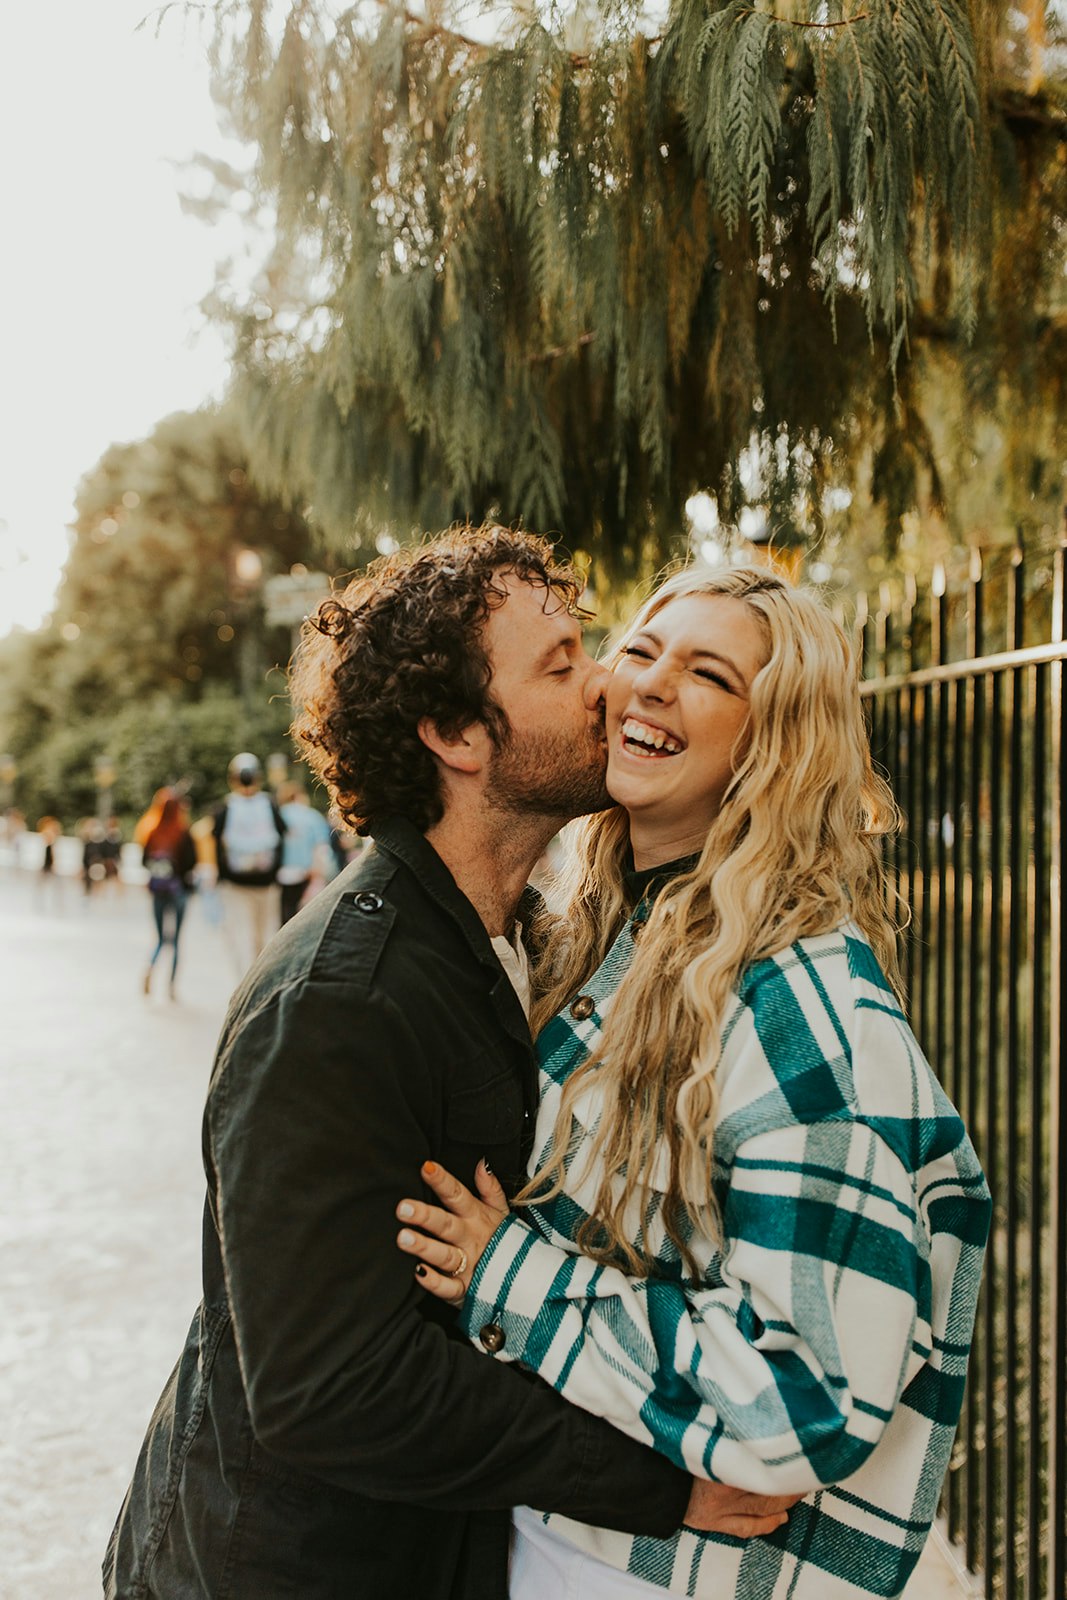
(793, 851)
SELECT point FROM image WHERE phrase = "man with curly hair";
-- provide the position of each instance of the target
(325, 1432)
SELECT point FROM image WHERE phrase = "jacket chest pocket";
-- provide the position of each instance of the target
(488, 1112)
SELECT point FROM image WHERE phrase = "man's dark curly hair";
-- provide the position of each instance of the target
(405, 641)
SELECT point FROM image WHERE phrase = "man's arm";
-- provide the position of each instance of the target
(317, 1120)
(780, 1376)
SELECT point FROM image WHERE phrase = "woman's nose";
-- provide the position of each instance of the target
(655, 681)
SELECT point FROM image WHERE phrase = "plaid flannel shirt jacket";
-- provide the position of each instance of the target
(824, 1349)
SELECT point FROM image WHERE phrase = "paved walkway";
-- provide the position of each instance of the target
(100, 1199)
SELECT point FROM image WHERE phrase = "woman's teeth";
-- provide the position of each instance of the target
(648, 740)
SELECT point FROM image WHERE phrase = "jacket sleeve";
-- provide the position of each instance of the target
(317, 1120)
(781, 1374)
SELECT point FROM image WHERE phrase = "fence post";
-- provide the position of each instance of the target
(1016, 889)
(1057, 1352)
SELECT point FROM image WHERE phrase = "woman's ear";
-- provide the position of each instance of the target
(466, 751)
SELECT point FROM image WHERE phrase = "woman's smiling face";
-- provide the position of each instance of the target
(677, 708)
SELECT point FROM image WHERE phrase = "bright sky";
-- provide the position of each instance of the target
(100, 271)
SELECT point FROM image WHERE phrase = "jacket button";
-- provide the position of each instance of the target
(367, 900)
(583, 1007)
(493, 1338)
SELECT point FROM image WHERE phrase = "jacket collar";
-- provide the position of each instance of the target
(400, 838)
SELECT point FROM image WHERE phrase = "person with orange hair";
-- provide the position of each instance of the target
(170, 859)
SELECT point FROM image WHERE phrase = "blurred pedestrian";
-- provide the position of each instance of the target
(93, 869)
(51, 831)
(12, 829)
(151, 817)
(170, 860)
(248, 831)
(111, 850)
(308, 859)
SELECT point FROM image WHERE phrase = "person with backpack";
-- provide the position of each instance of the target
(170, 860)
(249, 833)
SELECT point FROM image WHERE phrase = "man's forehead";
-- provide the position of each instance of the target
(532, 621)
(532, 594)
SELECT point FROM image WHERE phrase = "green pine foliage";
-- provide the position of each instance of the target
(567, 271)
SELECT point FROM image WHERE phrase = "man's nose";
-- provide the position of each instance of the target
(596, 684)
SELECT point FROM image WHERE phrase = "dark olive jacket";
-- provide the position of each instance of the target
(326, 1433)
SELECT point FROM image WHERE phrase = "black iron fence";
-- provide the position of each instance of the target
(966, 696)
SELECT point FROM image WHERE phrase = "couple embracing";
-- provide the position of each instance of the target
(623, 1248)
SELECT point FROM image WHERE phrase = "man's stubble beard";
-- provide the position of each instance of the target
(548, 775)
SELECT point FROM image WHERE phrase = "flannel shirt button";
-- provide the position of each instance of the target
(366, 900)
(493, 1338)
(583, 1007)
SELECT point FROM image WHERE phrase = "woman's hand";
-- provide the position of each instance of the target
(451, 1241)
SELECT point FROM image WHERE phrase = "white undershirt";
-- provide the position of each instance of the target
(514, 960)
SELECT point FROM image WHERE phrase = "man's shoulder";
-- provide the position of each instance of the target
(370, 962)
(374, 931)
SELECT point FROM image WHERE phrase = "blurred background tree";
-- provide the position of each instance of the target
(159, 653)
(578, 265)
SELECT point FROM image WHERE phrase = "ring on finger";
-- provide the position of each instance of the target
(457, 1272)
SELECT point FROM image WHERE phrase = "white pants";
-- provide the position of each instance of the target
(545, 1567)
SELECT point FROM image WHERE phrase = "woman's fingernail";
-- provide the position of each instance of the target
(405, 1210)
(406, 1236)
(430, 1168)
(420, 1271)
(487, 1167)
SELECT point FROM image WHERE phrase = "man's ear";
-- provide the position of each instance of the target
(465, 751)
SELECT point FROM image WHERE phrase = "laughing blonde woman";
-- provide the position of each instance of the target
(754, 1227)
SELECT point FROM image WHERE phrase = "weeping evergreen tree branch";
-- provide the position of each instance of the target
(562, 272)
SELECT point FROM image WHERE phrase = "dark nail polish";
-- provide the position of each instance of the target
(420, 1271)
(487, 1167)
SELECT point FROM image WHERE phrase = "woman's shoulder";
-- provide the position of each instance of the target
(835, 971)
(791, 1042)
(818, 1034)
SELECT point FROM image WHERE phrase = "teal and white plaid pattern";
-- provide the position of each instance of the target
(826, 1342)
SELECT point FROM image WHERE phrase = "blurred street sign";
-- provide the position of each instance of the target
(290, 596)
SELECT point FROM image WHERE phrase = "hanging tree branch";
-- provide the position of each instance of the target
(560, 279)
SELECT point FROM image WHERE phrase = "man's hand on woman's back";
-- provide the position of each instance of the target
(718, 1508)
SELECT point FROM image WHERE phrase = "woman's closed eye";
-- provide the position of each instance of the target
(638, 651)
(711, 676)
